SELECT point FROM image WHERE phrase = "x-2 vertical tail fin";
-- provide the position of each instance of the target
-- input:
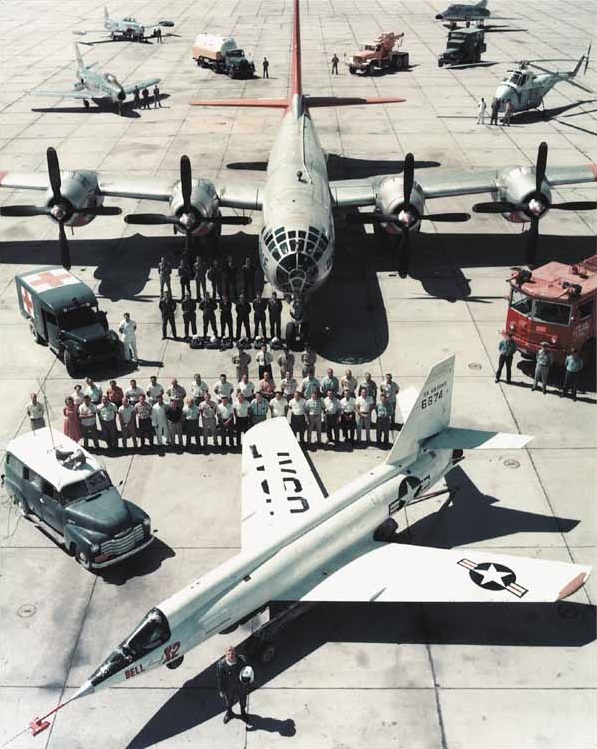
(427, 425)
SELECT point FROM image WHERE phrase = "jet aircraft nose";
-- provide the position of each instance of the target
(121, 94)
(439, 17)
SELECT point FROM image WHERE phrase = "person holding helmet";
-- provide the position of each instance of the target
(235, 677)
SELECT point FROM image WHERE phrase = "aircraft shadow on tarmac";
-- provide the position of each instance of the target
(127, 109)
(344, 167)
(351, 300)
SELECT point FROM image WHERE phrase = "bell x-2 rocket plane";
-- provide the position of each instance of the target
(300, 545)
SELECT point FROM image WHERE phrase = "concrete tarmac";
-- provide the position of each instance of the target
(404, 675)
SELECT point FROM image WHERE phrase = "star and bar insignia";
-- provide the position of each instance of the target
(493, 576)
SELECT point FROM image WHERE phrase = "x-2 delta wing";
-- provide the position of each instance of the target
(300, 545)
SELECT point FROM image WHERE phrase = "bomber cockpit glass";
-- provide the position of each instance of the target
(297, 251)
(149, 635)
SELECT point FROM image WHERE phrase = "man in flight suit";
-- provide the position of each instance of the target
(226, 316)
(168, 308)
(243, 310)
(230, 685)
(275, 315)
(189, 315)
(208, 307)
(259, 307)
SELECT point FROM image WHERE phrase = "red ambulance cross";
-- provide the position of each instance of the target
(52, 279)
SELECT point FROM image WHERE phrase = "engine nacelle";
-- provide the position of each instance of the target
(518, 186)
(79, 190)
(204, 201)
(390, 200)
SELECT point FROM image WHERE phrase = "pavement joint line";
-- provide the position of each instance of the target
(436, 686)
(265, 688)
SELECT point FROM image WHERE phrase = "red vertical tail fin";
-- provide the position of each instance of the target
(296, 78)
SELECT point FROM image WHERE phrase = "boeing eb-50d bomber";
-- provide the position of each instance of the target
(299, 545)
(525, 89)
(297, 198)
(99, 87)
(127, 28)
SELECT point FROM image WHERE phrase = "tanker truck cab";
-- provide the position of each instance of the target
(63, 314)
(554, 303)
(69, 491)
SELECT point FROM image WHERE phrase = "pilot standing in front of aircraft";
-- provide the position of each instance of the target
(259, 307)
(226, 317)
(234, 676)
(199, 274)
(274, 307)
(243, 311)
(145, 95)
(164, 273)
(248, 273)
(208, 307)
(185, 273)
(168, 308)
(189, 315)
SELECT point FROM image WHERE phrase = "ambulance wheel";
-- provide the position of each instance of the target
(70, 364)
(83, 559)
(36, 337)
(175, 663)
(268, 654)
(21, 503)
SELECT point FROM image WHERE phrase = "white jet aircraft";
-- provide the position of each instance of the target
(297, 199)
(127, 28)
(300, 545)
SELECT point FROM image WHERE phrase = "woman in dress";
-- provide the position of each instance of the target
(72, 426)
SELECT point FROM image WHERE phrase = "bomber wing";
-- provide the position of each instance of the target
(395, 572)
(445, 183)
(280, 493)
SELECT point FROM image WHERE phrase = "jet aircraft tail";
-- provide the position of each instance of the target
(427, 422)
(78, 57)
(106, 14)
(482, 4)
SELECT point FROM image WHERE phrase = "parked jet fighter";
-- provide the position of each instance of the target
(297, 199)
(99, 87)
(127, 28)
(460, 12)
(300, 545)
(525, 89)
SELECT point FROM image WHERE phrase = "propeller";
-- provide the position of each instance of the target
(61, 210)
(187, 221)
(408, 216)
(535, 205)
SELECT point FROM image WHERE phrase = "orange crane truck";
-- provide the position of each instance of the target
(382, 54)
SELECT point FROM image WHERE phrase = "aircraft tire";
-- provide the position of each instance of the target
(86, 103)
(291, 334)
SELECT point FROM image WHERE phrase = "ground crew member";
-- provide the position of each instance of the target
(128, 336)
(278, 406)
(298, 420)
(223, 389)
(274, 307)
(143, 410)
(481, 112)
(508, 113)
(259, 307)
(364, 405)
(185, 273)
(243, 310)
(241, 360)
(106, 412)
(226, 420)
(349, 382)
(573, 365)
(136, 98)
(174, 416)
(208, 307)
(164, 273)
(286, 362)
(226, 316)
(208, 416)
(330, 382)
(189, 315)
(309, 359)
(335, 61)
(507, 349)
(265, 67)
(35, 412)
(77, 395)
(128, 426)
(145, 94)
(168, 308)
(231, 686)
(115, 394)
(264, 362)
(542, 366)
(370, 386)
(288, 385)
(229, 276)
(246, 388)
(133, 392)
(258, 408)
(314, 410)
(331, 407)
(87, 417)
(495, 108)
(384, 415)
(190, 427)
(176, 392)
(348, 415)
(248, 274)
(199, 271)
(159, 422)
(390, 389)
(158, 35)
(198, 389)
(215, 276)
(93, 391)
(156, 97)
(241, 411)
(267, 386)
(310, 385)
(154, 389)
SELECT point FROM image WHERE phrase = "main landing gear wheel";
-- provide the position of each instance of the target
(86, 103)
(291, 339)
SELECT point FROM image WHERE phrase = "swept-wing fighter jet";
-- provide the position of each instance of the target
(300, 545)
(127, 28)
(297, 199)
(461, 12)
(525, 89)
(99, 87)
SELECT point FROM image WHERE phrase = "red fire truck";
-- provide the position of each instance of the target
(554, 303)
